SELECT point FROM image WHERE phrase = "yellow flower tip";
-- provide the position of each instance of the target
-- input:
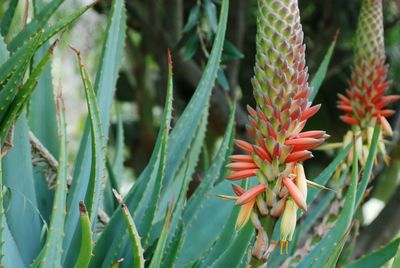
(244, 214)
(289, 219)
(284, 243)
(386, 159)
(387, 129)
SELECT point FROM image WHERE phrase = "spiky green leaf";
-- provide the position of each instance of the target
(317, 80)
(23, 96)
(162, 241)
(379, 257)
(53, 247)
(369, 164)
(85, 251)
(104, 87)
(323, 250)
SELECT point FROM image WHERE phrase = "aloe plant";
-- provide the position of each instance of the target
(77, 211)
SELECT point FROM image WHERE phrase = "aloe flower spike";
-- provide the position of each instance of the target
(277, 144)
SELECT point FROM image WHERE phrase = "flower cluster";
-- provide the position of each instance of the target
(364, 103)
(278, 146)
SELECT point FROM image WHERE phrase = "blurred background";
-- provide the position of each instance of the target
(188, 27)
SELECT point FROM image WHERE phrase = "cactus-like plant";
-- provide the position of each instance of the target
(51, 218)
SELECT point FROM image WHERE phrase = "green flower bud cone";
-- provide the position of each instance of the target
(369, 43)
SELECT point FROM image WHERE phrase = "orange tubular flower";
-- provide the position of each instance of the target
(365, 103)
(281, 91)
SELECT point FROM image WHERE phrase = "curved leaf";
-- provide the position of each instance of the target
(85, 251)
(21, 99)
(53, 247)
(369, 164)
(7, 17)
(18, 175)
(317, 80)
(196, 213)
(237, 251)
(322, 251)
(35, 25)
(148, 191)
(97, 167)
(138, 260)
(104, 87)
(184, 147)
(162, 241)
(379, 257)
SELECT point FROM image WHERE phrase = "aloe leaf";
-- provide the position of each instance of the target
(18, 175)
(333, 259)
(41, 106)
(12, 256)
(7, 68)
(197, 143)
(179, 185)
(321, 206)
(148, 207)
(23, 96)
(9, 252)
(7, 17)
(379, 257)
(162, 241)
(174, 248)
(147, 196)
(369, 164)
(185, 144)
(188, 135)
(114, 167)
(38, 6)
(324, 248)
(185, 129)
(10, 88)
(35, 25)
(138, 260)
(53, 246)
(225, 238)
(213, 174)
(204, 229)
(236, 252)
(118, 160)
(317, 80)
(104, 87)
(85, 251)
(3, 50)
(97, 168)
(396, 260)
(197, 206)
(326, 174)
(2, 218)
(109, 204)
